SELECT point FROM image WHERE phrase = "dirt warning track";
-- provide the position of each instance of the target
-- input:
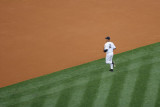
(41, 37)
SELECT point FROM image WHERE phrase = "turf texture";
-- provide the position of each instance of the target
(135, 82)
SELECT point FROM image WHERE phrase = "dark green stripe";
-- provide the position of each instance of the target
(116, 88)
(90, 93)
(64, 98)
(141, 86)
(157, 104)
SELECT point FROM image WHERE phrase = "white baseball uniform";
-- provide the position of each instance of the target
(109, 54)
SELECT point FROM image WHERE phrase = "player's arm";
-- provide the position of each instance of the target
(105, 48)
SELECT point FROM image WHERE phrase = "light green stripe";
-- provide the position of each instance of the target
(103, 90)
(128, 88)
(80, 86)
(152, 88)
(50, 101)
(77, 96)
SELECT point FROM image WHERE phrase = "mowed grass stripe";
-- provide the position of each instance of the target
(157, 104)
(131, 79)
(138, 53)
(77, 96)
(128, 88)
(103, 91)
(116, 88)
(138, 94)
(152, 88)
(50, 98)
(64, 98)
(117, 84)
(76, 93)
(65, 95)
(22, 104)
(90, 93)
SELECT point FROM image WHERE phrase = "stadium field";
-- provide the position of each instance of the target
(135, 82)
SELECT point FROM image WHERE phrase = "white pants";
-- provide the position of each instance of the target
(109, 57)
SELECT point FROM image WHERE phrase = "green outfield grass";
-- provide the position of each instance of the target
(135, 82)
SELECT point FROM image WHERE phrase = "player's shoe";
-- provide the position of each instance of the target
(111, 70)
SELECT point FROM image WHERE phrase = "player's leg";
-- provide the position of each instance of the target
(109, 57)
(111, 64)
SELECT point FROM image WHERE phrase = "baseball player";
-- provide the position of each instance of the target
(108, 48)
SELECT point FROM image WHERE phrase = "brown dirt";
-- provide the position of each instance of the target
(39, 37)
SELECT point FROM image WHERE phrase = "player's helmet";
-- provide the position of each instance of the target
(107, 38)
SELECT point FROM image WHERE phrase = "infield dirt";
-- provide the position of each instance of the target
(41, 37)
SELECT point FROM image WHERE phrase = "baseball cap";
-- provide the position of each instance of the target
(107, 38)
